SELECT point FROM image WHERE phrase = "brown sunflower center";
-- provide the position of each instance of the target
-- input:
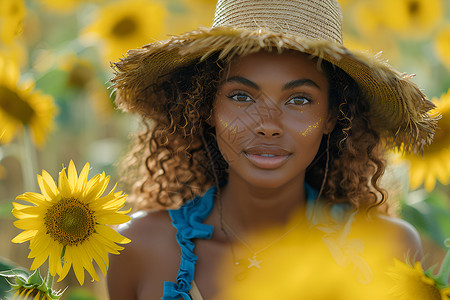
(79, 76)
(70, 222)
(15, 106)
(124, 27)
(413, 7)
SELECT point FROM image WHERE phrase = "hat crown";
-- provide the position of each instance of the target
(310, 19)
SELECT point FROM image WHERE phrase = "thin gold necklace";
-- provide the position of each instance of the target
(254, 262)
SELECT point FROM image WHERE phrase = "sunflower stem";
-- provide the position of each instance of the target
(28, 162)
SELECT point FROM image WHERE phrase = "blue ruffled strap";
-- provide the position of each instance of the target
(188, 220)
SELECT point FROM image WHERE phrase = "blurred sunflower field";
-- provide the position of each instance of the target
(55, 105)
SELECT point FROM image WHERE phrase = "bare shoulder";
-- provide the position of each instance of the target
(401, 235)
(148, 260)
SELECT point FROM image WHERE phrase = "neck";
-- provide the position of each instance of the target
(251, 208)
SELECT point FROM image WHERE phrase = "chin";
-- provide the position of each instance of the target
(268, 181)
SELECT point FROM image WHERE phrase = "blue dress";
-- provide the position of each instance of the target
(188, 220)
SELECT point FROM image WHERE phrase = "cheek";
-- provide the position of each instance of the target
(232, 133)
(311, 129)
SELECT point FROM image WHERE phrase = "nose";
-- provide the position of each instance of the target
(269, 127)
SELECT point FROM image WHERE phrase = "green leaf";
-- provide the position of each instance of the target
(35, 278)
(16, 273)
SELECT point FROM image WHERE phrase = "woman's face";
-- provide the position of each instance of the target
(270, 113)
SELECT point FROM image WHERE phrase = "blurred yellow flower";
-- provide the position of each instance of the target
(411, 283)
(127, 24)
(81, 72)
(386, 48)
(15, 52)
(442, 45)
(65, 6)
(367, 18)
(190, 15)
(21, 106)
(412, 18)
(70, 220)
(326, 263)
(435, 163)
(12, 13)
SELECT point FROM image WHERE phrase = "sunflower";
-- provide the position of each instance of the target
(70, 220)
(127, 24)
(442, 45)
(412, 18)
(435, 163)
(21, 106)
(411, 283)
(12, 13)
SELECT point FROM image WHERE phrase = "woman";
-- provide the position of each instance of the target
(272, 120)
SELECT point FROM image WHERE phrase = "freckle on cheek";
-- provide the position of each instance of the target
(223, 123)
(310, 128)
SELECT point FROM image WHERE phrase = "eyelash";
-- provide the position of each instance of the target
(233, 96)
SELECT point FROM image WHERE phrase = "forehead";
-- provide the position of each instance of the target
(286, 65)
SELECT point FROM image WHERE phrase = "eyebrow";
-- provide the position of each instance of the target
(290, 85)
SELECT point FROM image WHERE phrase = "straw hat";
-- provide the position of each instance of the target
(399, 110)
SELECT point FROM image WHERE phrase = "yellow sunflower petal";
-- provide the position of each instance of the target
(94, 255)
(63, 185)
(68, 260)
(30, 211)
(441, 172)
(111, 218)
(98, 189)
(39, 260)
(106, 244)
(99, 249)
(86, 260)
(24, 236)
(45, 189)
(72, 175)
(111, 234)
(20, 206)
(54, 259)
(82, 180)
(430, 182)
(34, 198)
(110, 202)
(29, 223)
(21, 215)
(77, 265)
(39, 245)
(50, 182)
(417, 174)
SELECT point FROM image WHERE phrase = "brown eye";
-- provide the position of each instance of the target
(239, 97)
(300, 100)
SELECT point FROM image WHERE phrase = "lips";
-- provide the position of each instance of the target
(267, 157)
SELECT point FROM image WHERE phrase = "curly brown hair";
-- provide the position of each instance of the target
(176, 156)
